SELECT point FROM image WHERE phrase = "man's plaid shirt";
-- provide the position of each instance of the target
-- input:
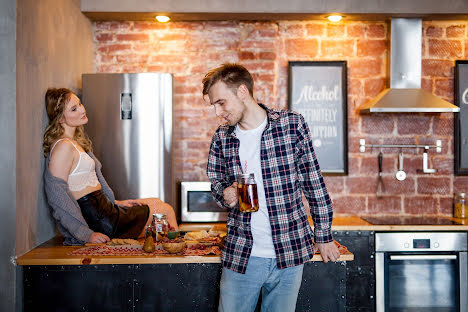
(289, 166)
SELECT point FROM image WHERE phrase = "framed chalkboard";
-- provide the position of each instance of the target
(318, 91)
(461, 119)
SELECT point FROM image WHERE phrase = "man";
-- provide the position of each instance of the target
(264, 250)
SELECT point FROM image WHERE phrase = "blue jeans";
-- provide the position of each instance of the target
(239, 292)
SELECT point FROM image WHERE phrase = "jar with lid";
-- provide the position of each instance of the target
(161, 224)
(461, 207)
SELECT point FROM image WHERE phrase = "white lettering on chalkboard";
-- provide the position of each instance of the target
(465, 96)
(309, 94)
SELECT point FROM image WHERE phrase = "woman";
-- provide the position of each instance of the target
(82, 202)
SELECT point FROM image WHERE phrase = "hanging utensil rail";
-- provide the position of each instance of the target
(363, 146)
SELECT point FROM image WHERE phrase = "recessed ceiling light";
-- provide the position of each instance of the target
(335, 18)
(162, 18)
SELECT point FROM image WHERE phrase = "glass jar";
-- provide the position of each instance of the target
(247, 191)
(461, 207)
(161, 224)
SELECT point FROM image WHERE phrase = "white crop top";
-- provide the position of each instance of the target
(84, 174)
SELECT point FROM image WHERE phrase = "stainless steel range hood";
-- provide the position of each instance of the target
(405, 94)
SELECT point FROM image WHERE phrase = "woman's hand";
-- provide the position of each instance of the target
(129, 202)
(98, 238)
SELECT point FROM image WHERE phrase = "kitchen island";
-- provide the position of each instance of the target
(53, 278)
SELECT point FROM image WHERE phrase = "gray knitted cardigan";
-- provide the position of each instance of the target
(65, 208)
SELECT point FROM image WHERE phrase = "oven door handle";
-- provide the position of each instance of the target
(423, 257)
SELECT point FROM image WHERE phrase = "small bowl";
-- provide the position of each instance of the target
(174, 247)
(173, 235)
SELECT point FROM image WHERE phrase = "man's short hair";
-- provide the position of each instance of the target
(232, 74)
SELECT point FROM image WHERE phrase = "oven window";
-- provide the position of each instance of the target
(202, 201)
(421, 285)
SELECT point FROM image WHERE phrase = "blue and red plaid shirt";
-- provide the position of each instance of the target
(289, 166)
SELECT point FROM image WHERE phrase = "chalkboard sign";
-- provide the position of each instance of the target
(318, 91)
(461, 119)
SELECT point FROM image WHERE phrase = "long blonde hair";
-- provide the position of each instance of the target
(56, 100)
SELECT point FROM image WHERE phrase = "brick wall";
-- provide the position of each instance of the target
(189, 50)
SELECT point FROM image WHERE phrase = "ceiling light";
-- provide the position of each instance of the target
(335, 18)
(162, 18)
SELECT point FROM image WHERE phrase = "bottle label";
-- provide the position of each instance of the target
(158, 228)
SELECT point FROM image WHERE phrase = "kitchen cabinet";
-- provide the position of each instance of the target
(360, 278)
(161, 287)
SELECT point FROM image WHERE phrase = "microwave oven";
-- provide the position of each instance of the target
(198, 204)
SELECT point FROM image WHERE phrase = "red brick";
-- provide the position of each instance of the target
(335, 185)
(301, 47)
(443, 127)
(356, 31)
(260, 66)
(103, 58)
(291, 30)
(445, 48)
(396, 187)
(167, 58)
(133, 68)
(349, 205)
(267, 55)
(361, 185)
(434, 185)
(156, 68)
(132, 58)
(460, 184)
(354, 163)
(113, 48)
(355, 86)
(108, 68)
(438, 68)
(413, 124)
(132, 37)
(444, 87)
(257, 44)
(455, 31)
(427, 84)
(421, 205)
(371, 47)
(443, 164)
(446, 206)
(335, 31)
(384, 205)
(263, 34)
(337, 48)
(377, 124)
(373, 86)
(364, 68)
(246, 55)
(114, 26)
(139, 26)
(376, 31)
(315, 29)
(370, 164)
(104, 37)
(466, 48)
(434, 31)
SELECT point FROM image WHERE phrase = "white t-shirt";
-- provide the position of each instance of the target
(249, 154)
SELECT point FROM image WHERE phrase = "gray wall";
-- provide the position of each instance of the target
(7, 152)
(54, 47)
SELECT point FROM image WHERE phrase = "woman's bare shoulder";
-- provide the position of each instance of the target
(63, 152)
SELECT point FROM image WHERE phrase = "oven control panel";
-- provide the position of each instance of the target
(421, 241)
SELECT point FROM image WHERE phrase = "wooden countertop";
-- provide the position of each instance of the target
(353, 223)
(53, 252)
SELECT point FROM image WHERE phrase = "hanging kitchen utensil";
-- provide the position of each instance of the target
(380, 184)
(401, 174)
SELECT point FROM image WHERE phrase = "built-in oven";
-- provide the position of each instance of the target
(198, 204)
(421, 271)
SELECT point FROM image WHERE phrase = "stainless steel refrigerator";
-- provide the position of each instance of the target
(130, 126)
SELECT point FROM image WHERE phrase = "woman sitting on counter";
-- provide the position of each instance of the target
(82, 202)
